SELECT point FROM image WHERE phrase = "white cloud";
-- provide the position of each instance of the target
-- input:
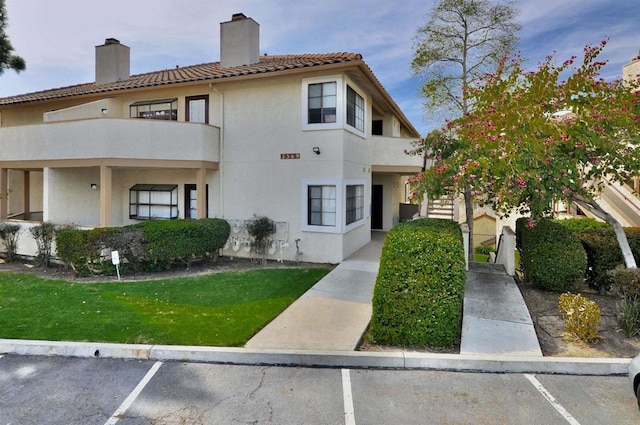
(57, 38)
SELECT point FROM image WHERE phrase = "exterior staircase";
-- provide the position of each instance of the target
(442, 208)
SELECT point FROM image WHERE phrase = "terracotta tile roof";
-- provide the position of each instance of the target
(202, 72)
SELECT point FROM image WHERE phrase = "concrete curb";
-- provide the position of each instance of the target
(330, 359)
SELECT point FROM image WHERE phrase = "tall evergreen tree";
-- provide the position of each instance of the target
(7, 59)
(462, 41)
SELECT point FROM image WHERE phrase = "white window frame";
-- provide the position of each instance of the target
(304, 201)
(349, 127)
(366, 201)
(153, 202)
(340, 103)
(341, 211)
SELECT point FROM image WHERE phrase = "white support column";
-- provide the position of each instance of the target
(105, 196)
(4, 179)
(201, 189)
(46, 184)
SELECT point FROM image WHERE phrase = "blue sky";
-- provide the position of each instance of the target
(57, 37)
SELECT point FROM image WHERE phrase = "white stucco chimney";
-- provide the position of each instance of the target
(239, 41)
(112, 62)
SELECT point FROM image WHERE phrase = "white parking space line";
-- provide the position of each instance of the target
(349, 416)
(542, 390)
(134, 394)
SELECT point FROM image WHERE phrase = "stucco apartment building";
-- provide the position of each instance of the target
(312, 141)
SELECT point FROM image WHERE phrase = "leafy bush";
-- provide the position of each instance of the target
(260, 229)
(89, 251)
(9, 233)
(581, 316)
(419, 290)
(552, 257)
(149, 246)
(484, 250)
(626, 284)
(604, 254)
(44, 235)
(582, 224)
(182, 240)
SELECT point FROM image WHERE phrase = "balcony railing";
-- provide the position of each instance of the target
(111, 138)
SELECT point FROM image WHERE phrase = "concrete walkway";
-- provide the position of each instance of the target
(334, 313)
(496, 319)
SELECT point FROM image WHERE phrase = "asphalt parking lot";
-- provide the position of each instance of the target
(61, 390)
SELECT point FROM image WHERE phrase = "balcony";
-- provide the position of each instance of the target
(109, 138)
(388, 155)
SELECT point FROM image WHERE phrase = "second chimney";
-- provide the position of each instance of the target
(239, 41)
(112, 62)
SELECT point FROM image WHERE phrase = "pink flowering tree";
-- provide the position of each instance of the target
(559, 133)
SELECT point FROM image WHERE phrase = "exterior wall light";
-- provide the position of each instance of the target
(104, 111)
(94, 186)
(316, 150)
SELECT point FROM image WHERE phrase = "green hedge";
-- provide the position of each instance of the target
(182, 240)
(151, 245)
(582, 224)
(419, 291)
(552, 256)
(604, 254)
(82, 249)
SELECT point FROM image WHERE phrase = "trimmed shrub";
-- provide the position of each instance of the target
(89, 251)
(582, 224)
(182, 240)
(604, 254)
(552, 257)
(9, 233)
(419, 290)
(581, 316)
(148, 246)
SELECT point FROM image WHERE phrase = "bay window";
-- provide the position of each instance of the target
(153, 201)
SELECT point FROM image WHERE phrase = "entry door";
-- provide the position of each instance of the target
(191, 201)
(376, 206)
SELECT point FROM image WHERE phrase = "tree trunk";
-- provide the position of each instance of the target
(597, 210)
(468, 207)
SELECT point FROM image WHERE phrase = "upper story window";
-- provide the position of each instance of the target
(355, 109)
(332, 103)
(163, 109)
(197, 109)
(322, 103)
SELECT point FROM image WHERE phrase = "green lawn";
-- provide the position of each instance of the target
(223, 309)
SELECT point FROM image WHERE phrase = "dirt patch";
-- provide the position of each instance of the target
(543, 307)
